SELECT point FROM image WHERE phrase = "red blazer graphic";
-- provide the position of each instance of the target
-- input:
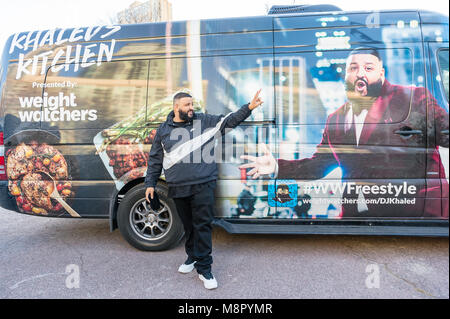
(382, 156)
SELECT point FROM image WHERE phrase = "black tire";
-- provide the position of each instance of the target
(166, 229)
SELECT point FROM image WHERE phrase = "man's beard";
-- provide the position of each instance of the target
(185, 116)
(363, 101)
(283, 198)
(373, 90)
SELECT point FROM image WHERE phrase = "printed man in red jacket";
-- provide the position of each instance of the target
(378, 137)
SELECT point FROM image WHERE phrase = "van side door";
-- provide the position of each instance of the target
(349, 153)
(438, 121)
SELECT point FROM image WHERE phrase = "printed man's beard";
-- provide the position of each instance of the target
(185, 116)
(373, 90)
(283, 198)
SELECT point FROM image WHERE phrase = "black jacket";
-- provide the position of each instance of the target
(180, 148)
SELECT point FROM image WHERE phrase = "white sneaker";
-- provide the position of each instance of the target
(210, 283)
(186, 268)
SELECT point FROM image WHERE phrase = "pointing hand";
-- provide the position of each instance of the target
(256, 101)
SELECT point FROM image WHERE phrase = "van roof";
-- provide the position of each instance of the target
(208, 26)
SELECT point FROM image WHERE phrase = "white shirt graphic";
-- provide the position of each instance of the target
(358, 120)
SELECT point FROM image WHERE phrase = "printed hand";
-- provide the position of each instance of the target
(262, 165)
(256, 101)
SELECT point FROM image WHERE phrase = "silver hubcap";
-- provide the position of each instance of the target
(148, 223)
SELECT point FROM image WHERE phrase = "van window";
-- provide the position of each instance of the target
(310, 86)
(166, 78)
(444, 70)
(99, 96)
(226, 82)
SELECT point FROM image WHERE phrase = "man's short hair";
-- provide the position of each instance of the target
(283, 187)
(180, 95)
(366, 50)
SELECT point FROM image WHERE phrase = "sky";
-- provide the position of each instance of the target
(28, 15)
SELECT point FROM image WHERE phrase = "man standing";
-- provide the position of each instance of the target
(378, 135)
(180, 148)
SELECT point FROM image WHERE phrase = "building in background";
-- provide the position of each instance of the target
(149, 11)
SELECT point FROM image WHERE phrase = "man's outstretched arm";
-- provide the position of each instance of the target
(234, 119)
(308, 168)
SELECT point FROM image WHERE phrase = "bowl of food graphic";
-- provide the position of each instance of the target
(26, 162)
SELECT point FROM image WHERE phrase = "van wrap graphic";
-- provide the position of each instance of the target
(33, 61)
(34, 170)
(348, 129)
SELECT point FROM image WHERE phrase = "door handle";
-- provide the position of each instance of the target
(407, 132)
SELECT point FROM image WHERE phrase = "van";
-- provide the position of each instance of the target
(352, 137)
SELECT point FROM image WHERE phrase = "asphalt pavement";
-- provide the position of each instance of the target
(66, 258)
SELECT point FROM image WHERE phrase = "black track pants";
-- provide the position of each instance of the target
(196, 213)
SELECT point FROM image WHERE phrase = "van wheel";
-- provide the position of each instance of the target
(144, 228)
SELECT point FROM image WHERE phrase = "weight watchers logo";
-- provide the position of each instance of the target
(59, 108)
